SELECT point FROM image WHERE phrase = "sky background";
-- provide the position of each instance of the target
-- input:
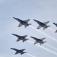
(42, 10)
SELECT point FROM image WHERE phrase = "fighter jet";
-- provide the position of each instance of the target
(23, 38)
(40, 41)
(21, 51)
(55, 24)
(41, 24)
(22, 22)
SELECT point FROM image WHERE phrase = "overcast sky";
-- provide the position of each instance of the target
(42, 10)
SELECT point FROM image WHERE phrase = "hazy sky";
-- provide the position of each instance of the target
(42, 10)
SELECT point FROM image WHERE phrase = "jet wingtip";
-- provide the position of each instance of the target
(11, 48)
(43, 38)
(12, 34)
(23, 49)
(26, 35)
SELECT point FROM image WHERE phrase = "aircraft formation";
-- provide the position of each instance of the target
(23, 38)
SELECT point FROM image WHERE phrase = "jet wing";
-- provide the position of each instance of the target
(43, 38)
(20, 25)
(46, 22)
(27, 20)
(35, 42)
(23, 49)
(16, 52)
(39, 27)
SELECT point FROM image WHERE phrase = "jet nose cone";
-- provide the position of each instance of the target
(10, 48)
(12, 34)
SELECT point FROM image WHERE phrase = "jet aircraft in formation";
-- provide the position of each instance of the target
(37, 40)
(22, 22)
(21, 51)
(25, 23)
(23, 38)
(41, 24)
